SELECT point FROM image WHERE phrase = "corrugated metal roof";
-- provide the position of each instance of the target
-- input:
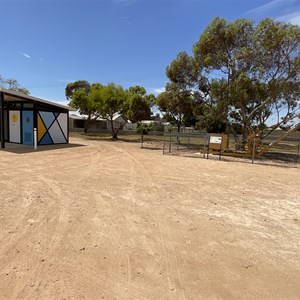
(12, 95)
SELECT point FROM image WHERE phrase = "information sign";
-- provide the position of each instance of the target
(215, 140)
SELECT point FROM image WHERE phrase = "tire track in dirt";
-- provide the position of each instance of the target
(96, 199)
(64, 216)
(59, 214)
(17, 242)
(168, 248)
(114, 221)
(100, 201)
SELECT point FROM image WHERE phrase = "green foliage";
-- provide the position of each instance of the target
(142, 128)
(138, 104)
(112, 100)
(181, 71)
(155, 126)
(13, 85)
(106, 101)
(239, 76)
(177, 101)
(246, 73)
(80, 94)
(176, 104)
(76, 86)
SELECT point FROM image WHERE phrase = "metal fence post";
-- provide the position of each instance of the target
(208, 145)
(253, 150)
(142, 139)
(299, 149)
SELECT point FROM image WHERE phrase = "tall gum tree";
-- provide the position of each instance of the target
(177, 100)
(250, 72)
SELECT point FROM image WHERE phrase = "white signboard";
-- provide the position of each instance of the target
(14, 126)
(215, 140)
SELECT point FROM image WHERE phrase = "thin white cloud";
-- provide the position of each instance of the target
(266, 7)
(25, 54)
(293, 18)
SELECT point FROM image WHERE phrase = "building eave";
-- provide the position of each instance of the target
(13, 96)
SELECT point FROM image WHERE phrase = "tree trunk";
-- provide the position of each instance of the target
(114, 133)
(178, 131)
(86, 125)
(118, 129)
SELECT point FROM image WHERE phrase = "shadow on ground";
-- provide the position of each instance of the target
(22, 149)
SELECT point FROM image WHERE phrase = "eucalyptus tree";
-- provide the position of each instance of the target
(177, 101)
(13, 85)
(176, 104)
(110, 100)
(246, 73)
(139, 104)
(79, 94)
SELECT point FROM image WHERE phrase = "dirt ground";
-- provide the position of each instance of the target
(108, 220)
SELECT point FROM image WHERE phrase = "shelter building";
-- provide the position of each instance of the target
(20, 114)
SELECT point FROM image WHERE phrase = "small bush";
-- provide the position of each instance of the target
(149, 127)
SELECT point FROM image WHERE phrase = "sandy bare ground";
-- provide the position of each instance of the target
(108, 220)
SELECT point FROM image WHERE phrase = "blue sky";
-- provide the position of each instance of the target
(45, 44)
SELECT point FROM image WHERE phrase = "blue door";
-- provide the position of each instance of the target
(27, 125)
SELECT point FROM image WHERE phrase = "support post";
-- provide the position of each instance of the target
(253, 150)
(35, 138)
(170, 144)
(142, 139)
(2, 120)
(208, 145)
(299, 149)
(220, 149)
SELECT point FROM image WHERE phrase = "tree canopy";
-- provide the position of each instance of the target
(139, 104)
(106, 101)
(239, 76)
(177, 101)
(79, 94)
(12, 84)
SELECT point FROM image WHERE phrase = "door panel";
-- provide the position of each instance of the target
(14, 126)
(27, 117)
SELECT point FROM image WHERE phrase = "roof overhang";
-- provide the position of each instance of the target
(11, 96)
